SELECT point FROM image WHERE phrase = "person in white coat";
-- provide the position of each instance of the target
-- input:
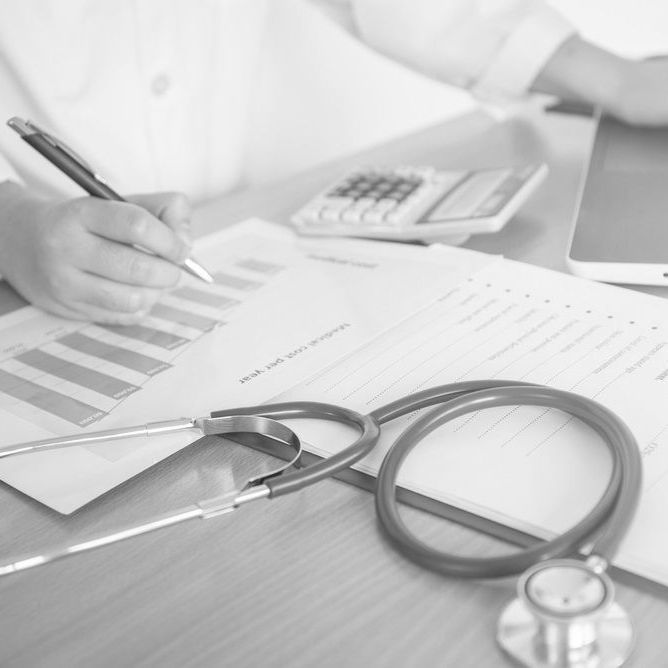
(161, 90)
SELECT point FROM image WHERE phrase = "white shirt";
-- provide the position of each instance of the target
(157, 93)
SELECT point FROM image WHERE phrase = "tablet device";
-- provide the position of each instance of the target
(620, 230)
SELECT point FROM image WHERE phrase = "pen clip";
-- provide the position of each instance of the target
(57, 143)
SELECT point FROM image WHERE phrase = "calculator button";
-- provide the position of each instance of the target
(352, 215)
(310, 216)
(364, 203)
(330, 215)
(398, 216)
(338, 203)
(417, 199)
(396, 195)
(394, 218)
(385, 204)
(373, 216)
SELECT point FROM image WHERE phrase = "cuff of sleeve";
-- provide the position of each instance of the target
(523, 55)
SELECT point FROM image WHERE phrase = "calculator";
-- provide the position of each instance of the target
(419, 203)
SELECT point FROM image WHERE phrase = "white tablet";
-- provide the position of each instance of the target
(620, 230)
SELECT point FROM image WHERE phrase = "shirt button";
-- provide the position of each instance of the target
(160, 84)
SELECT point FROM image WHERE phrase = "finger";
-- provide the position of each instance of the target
(87, 312)
(63, 310)
(102, 316)
(109, 296)
(130, 224)
(171, 208)
(125, 264)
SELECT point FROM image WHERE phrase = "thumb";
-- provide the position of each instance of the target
(171, 208)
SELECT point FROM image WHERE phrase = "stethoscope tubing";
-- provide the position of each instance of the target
(602, 528)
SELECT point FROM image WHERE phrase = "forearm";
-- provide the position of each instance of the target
(582, 72)
(501, 51)
(632, 90)
(494, 49)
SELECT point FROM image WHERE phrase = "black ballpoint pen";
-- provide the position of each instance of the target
(71, 164)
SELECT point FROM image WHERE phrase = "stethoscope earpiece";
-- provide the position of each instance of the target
(565, 616)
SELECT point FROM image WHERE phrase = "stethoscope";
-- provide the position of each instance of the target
(564, 614)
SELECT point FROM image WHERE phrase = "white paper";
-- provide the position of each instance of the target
(284, 307)
(530, 468)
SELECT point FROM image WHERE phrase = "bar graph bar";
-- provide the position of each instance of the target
(116, 354)
(206, 298)
(180, 317)
(60, 405)
(156, 337)
(231, 281)
(109, 386)
(261, 266)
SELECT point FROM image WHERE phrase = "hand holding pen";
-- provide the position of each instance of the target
(86, 258)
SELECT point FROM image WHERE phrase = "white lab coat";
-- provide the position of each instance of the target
(183, 95)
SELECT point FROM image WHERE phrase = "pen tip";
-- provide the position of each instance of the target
(198, 270)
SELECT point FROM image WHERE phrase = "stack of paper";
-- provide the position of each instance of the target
(280, 308)
(361, 324)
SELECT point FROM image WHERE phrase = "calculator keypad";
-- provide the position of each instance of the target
(391, 197)
(375, 187)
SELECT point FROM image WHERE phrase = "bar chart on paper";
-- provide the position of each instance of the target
(56, 372)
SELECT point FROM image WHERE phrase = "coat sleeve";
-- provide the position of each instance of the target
(494, 48)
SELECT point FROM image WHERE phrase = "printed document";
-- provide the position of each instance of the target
(534, 469)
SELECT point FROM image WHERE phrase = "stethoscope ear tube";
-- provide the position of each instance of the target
(603, 528)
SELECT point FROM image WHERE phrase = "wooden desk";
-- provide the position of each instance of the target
(305, 580)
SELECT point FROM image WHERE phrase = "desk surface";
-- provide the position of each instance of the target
(305, 580)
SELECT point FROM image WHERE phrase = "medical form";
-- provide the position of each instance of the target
(533, 469)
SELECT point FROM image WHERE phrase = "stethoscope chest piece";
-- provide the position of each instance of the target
(565, 616)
